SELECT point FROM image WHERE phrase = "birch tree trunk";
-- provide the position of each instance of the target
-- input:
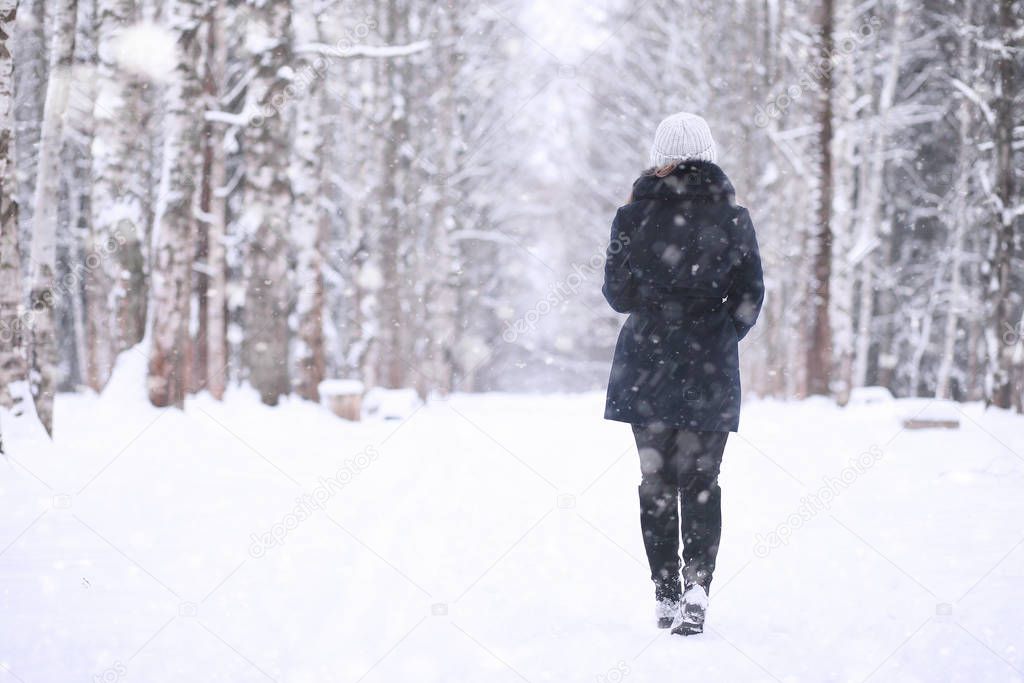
(12, 351)
(199, 345)
(357, 327)
(43, 350)
(844, 265)
(1002, 388)
(942, 380)
(267, 201)
(921, 343)
(958, 212)
(372, 255)
(116, 287)
(174, 222)
(215, 210)
(306, 217)
(80, 132)
(441, 301)
(394, 338)
(30, 71)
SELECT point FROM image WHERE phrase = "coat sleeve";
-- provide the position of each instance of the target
(619, 288)
(746, 291)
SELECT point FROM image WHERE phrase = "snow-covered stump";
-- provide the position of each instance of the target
(918, 413)
(343, 397)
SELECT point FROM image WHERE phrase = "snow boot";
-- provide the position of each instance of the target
(690, 620)
(667, 611)
(668, 594)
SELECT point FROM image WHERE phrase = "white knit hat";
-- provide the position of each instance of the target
(682, 137)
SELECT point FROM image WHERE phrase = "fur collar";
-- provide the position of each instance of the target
(690, 180)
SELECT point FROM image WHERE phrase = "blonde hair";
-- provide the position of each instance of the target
(658, 171)
(663, 171)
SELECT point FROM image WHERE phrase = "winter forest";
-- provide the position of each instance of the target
(211, 210)
(415, 194)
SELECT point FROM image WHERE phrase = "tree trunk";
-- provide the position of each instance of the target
(958, 212)
(819, 353)
(1002, 388)
(116, 287)
(80, 131)
(844, 266)
(172, 266)
(267, 203)
(307, 223)
(441, 302)
(199, 344)
(30, 70)
(12, 349)
(43, 349)
(391, 336)
(215, 211)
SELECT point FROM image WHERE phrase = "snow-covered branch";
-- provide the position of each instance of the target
(483, 236)
(973, 95)
(375, 51)
(227, 117)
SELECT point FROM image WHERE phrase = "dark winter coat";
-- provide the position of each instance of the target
(683, 262)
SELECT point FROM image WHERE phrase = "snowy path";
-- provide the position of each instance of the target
(495, 538)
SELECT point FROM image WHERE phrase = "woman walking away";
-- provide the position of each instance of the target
(683, 262)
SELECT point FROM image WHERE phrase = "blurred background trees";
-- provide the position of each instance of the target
(417, 194)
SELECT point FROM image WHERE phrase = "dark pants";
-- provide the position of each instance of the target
(680, 466)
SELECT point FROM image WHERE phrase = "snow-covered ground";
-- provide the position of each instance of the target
(495, 538)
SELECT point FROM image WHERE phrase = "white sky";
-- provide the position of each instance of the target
(569, 29)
